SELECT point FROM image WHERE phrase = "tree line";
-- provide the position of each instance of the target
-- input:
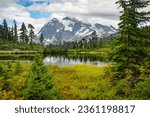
(13, 34)
(93, 43)
(18, 38)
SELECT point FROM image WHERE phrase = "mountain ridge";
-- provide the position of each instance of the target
(72, 29)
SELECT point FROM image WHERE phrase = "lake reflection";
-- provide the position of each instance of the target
(68, 61)
(61, 60)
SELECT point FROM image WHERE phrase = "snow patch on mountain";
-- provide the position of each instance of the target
(67, 25)
(71, 29)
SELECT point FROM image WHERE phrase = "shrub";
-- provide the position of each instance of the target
(39, 84)
(142, 90)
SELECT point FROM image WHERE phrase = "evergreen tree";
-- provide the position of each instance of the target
(41, 38)
(84, 43)
(10, 34)
(26, 39)
(31, 32)
(80, 44)
(5, 30)
(1, 31)
(94, 39)
(15, 31)
(23, 34)
(146, 40)
(100, 43)
(128, 51)
(39, 85)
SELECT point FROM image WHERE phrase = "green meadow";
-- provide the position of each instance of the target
(80, 81)
(77, 82)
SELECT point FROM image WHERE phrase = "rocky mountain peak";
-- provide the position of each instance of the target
(72, 29)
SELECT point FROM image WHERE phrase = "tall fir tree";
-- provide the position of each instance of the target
(10, 34)
(1, 32)
(94, 39)
(41, 38)
(128, 50)
(23, 34)
(5, 30)
(15, 31)
(31, 32)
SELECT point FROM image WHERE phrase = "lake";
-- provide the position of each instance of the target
(61, 60)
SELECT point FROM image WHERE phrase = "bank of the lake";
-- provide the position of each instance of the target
(19, 52)
(102, 53)
(60, 60)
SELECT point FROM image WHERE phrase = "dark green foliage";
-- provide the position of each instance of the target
(41, 39)
(31, 33)
(6, 33)
(11, 34)
(39, 84)
(23, 34)
(142, 90)
(145, 36)
(94, 41)
(5, 30)
(6, 74)
(15, 31)
(20, 81)
(2, 69)
(9, 37)
(128, 47)
(1, 32)
(17, 46)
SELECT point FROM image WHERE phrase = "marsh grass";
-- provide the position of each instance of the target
(80, 82)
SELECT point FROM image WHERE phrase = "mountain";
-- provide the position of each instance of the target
(71, 29)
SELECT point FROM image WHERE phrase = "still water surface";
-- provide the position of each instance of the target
(58, 60)
(66, 61)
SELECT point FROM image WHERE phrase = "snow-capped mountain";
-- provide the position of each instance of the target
(71, 29)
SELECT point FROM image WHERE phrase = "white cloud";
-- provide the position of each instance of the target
(38, 0)
(5, 3)
(19, 13)
(101, 11)
(92, 11)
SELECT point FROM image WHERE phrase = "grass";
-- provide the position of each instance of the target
(18, 52)
(80, 81)
(102, 53)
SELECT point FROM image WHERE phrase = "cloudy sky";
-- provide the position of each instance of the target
(38, 12)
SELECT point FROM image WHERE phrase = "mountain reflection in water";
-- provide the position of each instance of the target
(63, 61)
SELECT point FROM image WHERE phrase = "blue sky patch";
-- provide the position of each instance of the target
(25, 3)
(35, 14)
(38, 14)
